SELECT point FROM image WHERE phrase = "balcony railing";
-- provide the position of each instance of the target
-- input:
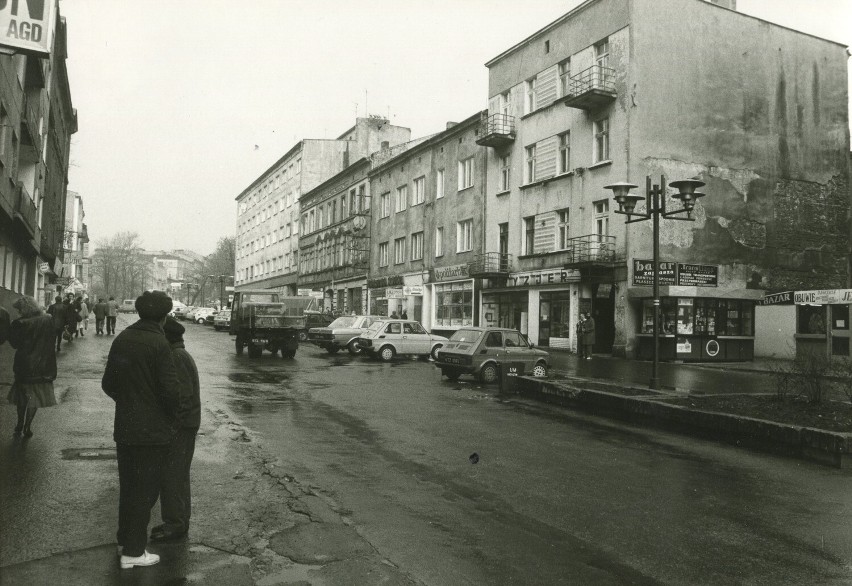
(591, 248)
(491, 264)
(25, 210)
(496, 130)
(592, 88)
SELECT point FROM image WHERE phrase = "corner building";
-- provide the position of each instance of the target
(619, 90)
(268, 210)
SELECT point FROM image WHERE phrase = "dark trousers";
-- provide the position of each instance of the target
(175, 493)
(110, 324)
(59, 337)
(99, 325)
(139, 473)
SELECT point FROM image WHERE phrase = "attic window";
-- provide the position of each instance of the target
(547, 46)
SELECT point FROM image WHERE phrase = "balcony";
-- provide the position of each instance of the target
(491, 264)
(591, 249)
(591, 89)
(26, 213)
(496, 130)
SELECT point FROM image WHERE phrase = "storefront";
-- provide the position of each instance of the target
(822, 322)
(453, 302)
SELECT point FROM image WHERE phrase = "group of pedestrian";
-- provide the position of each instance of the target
(154, 383)
(105, 313)
(585, 335)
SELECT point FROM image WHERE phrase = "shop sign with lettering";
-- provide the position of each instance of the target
(450, 273)
(823, 297)
(380, 282)
(672, 273)
(643, 272)
(542, 278)
(697, 275)
(785, 298)
(393, 293)
(413, 291)
(28, 25)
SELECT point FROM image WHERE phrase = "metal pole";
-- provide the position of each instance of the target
(655, 211)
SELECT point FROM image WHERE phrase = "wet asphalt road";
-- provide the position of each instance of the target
(555, 498)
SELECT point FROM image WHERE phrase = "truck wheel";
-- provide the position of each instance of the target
(333, 350)
(255, 351)
(489, 373)
(386, 353)
(239, 345)
(353, 348)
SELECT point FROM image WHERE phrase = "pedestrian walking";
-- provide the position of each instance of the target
(404, 314)
(589, 335)
(71, 319)
(57, 312)
(34, 367)
(83, 311)
(141, 378)
(100, 311)
(112, 312)
(175, 487)
(581, 348)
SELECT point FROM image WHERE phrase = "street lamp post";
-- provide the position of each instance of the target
(221, 287)
(655, 206)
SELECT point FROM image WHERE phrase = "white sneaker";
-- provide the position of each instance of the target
(146, 559)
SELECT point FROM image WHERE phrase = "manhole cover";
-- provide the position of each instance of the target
(88, 454)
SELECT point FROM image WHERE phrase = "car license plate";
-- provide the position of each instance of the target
(258, 341)
(452, 360)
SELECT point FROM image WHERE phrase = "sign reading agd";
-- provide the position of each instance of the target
(27, 25)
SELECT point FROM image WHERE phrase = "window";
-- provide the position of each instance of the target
(439, 241)
(464, 236)
(363, 200)
(454, 304)
(547, 46)
(417, 246)
(466, 173)
(529, 94)
(312, 221)
(401, 198)
(439, 184)
(564, 216)
(602, 219)
(383, 254)
(601, 140)
(505, 172)
(602, 53)
(330, 212)
(384, 205)
(565, 152)
(530, 169)
(565, 78)
(399, 250)
(529, 235)
(506, 103)
(419, 191)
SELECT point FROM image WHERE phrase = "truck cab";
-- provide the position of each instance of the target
(263, 319)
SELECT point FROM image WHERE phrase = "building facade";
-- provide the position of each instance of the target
(756, 111)
(427, 216)
(36, 123)
(174, 271)
(268, 211)
(74, 274)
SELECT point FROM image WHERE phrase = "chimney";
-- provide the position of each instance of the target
(451, 124)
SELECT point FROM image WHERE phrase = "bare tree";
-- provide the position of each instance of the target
(119, 267)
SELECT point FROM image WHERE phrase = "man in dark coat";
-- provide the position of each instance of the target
(100, 311)
(175, 491)
(141, 378)
(589, 335)
(57, 311)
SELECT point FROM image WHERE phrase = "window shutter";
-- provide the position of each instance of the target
(546, 87)
(545, 232)
(546, 152)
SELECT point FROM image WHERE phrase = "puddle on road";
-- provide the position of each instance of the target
(262, 378)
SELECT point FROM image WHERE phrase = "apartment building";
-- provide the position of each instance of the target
(427, 217)
(621, 90)
(172, 270)
(268, 210)
(36, 123)
(74, 274)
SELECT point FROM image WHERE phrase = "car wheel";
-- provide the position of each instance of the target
(435, 351)
(489, 373)
(303, 336)
(353, 348)
(200, 320)
(451, 373)
(255, 350)
(333, 350)
(539, 370)
(387, 353)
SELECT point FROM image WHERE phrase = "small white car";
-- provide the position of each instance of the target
(388, 338)
(200, 313)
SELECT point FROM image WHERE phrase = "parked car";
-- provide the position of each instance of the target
(184, 312)
(388, 338)
(315, 319)
(222, 320)
(342, 333)
(127, 306)
(479, 351)
(177, 308)
(201, 313)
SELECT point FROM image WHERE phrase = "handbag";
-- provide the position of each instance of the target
(66, 335)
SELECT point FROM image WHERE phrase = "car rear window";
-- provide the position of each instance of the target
(469, 336)
(343, 322)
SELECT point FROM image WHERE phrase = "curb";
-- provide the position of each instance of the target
(639, 406)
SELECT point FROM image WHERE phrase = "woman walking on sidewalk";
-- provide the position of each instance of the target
(34, 367)
(83, 312)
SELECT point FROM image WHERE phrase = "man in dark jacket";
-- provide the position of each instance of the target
(175, 492)
(57, 311)
(141, 378)
(100, 311)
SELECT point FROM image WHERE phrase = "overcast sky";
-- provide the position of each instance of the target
(183, 103)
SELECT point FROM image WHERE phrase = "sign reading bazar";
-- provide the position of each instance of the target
(671, 273)
(27, 25)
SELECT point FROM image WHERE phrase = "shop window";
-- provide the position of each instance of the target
(668, 316)
(684, 316)
(840, 317)
(454, 304)
(810, 319)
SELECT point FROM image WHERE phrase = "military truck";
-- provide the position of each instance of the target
(262, 319)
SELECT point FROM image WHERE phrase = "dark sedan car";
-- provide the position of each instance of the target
(480, 351)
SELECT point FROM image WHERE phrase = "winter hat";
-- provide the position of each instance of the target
(174, 330)
(153, 305)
